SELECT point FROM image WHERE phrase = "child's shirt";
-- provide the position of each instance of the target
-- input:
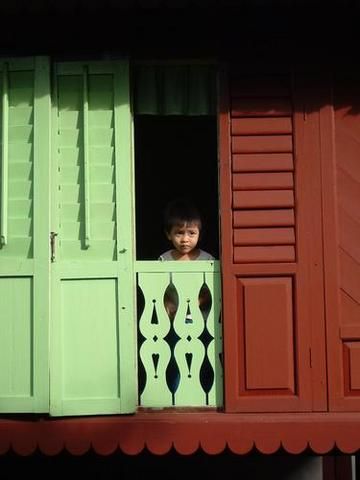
(202, 256)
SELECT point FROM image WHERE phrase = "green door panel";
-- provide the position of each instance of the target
(24, 252)
(93, 329)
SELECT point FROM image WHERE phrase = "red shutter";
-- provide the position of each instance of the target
(342, 245)
(271, 246)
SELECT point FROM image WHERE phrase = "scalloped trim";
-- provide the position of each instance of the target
(184, 433)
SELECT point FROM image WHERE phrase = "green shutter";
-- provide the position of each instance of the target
(92, 329)
(24, 227)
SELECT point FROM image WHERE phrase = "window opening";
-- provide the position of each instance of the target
(176, 156)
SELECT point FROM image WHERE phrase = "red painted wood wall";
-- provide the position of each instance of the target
(342, 243)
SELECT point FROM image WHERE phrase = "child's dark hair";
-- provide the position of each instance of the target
(180, 212)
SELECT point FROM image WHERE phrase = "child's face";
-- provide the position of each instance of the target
(184, 237)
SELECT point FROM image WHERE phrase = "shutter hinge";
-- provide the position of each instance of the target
(53, 235)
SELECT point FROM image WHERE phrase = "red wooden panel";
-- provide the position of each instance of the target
(350, 332)
(300, 385)
(348, 120)
(350, 310)
(348, 197)
(348, 143)
(264, 236)
(261, 107)
(354, 364)
(262, 162)
(269, 362)
(348, 191)
(263, 181)
(261, 143)
(257, 254)
(349, 276)
(341, 174)
(263, 199)
(261, 126)
(349, 235)
(264, 218)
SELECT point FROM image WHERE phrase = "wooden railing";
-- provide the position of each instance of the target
(180, 346)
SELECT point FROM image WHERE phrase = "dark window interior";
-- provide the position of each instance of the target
(175, 156)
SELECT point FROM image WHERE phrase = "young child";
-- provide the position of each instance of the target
(182, 225)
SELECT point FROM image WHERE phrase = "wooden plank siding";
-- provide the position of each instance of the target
(341, 190)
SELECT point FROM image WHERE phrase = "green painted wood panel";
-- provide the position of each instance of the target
(15, 339)
(89, 199)
(24, 260)
(93, 329)
(90, 362)
(180, 354)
